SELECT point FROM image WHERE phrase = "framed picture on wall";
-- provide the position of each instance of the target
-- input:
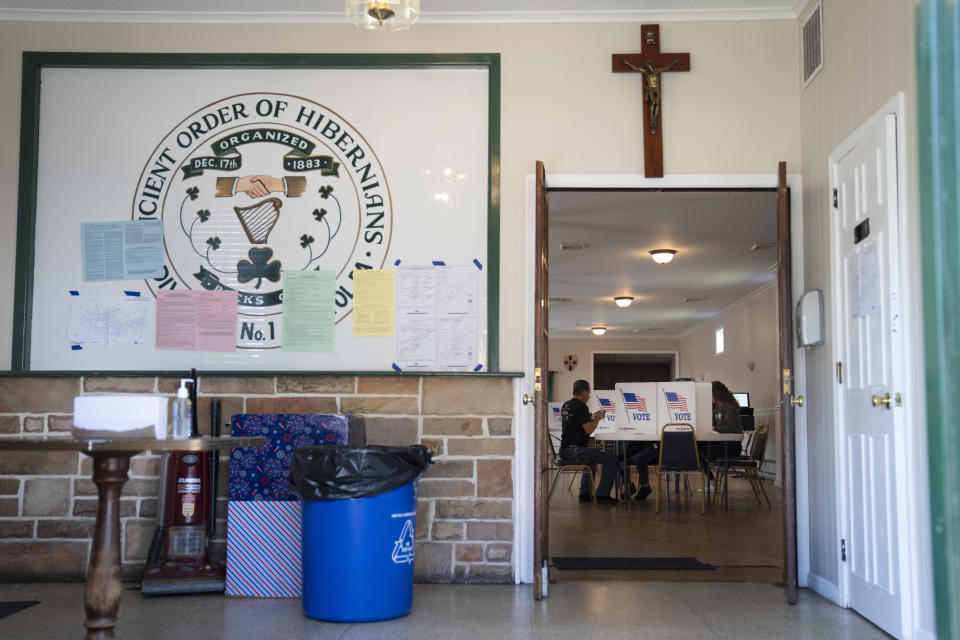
(151, 182)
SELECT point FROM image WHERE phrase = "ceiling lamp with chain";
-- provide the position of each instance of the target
(383, 15)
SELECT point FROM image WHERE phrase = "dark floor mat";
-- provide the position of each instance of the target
(632, 564)
(10, 608)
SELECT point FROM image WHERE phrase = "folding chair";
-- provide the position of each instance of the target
(565, 466)
(750, 466)
(678, 454)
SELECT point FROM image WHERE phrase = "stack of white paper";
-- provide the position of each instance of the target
(120, 416)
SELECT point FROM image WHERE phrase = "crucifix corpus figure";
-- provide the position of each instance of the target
(651, 64)
(651, 73)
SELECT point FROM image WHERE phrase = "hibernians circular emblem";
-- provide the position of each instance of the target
(257, 184)
(570, 362)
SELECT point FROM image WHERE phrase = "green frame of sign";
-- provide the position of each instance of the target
(938, 95)
(34, 62)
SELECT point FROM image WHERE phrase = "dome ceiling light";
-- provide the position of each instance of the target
(663, 256)
(598, 331)
(383, 15)
(623, 301)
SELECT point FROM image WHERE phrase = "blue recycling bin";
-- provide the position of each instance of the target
(358, 556)
(359, 529)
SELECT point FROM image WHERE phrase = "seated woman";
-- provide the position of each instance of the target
(726, 419)
(726, 410)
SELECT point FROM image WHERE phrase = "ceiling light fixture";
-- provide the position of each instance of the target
(663, 256)
(623, 301)
(598, 331)
(383, 15)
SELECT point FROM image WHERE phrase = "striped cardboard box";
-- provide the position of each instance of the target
(263, 549)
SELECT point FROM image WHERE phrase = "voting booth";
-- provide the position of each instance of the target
(615, 419)
(676, 402)
(639, 400)
(554, 418)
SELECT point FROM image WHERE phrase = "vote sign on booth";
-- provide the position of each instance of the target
(677, 402)
(608, 401)
(640, 405)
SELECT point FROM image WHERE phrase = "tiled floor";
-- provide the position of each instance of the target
(582, 610)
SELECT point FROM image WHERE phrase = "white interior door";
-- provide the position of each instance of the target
(865, 233)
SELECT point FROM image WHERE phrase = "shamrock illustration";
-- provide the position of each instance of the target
(259, 266)
(325, 191)
(214, 242)
(203, 214)
(306, 241)
(319, 213)
(194, 191)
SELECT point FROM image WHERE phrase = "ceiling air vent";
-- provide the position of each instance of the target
(763, 246)
(694, 299)
(573, 247)
(811, 38)
(556, 300)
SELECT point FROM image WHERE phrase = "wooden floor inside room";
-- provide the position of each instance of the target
(745, 543)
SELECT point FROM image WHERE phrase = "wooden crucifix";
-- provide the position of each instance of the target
(651, 63)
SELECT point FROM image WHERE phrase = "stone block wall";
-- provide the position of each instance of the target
(48, 502)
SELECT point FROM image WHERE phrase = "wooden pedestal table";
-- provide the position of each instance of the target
(111, 461)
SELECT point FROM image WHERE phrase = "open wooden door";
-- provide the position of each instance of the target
(541, 461)
(787, 400)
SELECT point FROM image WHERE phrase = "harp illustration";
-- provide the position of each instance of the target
(259, 219)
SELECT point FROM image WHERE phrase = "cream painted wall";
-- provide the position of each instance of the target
(869, 56)
(584, 350)
(737, 111)
(750, 333)
(750, 336)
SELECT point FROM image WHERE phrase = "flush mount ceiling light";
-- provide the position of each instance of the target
(598, 331)
(383, 15)
(663, 256)
(623, 301)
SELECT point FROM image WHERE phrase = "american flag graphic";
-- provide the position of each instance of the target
(675, 401)
(633, 403)
(607, 406)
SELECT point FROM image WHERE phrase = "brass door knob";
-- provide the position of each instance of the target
(527, 399)
(877, 401)
(796, 401)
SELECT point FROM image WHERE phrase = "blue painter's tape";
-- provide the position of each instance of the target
(396, 262)
(477, 262)
(439, 263)
(478, 367)
(76, 347)
(133, 294)
(395, 367)
(74, 293)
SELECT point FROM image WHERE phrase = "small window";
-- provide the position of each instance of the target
(719, 336)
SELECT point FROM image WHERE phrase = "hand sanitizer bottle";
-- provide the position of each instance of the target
(182, 412)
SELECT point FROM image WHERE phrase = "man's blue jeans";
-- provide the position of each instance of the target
(589, 455)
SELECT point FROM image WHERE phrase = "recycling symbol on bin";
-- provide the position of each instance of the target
(403, 547)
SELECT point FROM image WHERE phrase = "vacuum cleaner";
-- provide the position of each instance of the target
(179, 558)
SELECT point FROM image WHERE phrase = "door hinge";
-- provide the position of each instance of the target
(843, 550)
(836, 204)
(839, 373)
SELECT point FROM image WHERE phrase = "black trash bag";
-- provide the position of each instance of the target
(337, 473)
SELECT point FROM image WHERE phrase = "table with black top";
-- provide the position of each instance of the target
(111, 461)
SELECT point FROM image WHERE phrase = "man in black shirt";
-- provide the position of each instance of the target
(578, 424)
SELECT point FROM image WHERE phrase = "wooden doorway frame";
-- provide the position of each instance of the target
(524, 465)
